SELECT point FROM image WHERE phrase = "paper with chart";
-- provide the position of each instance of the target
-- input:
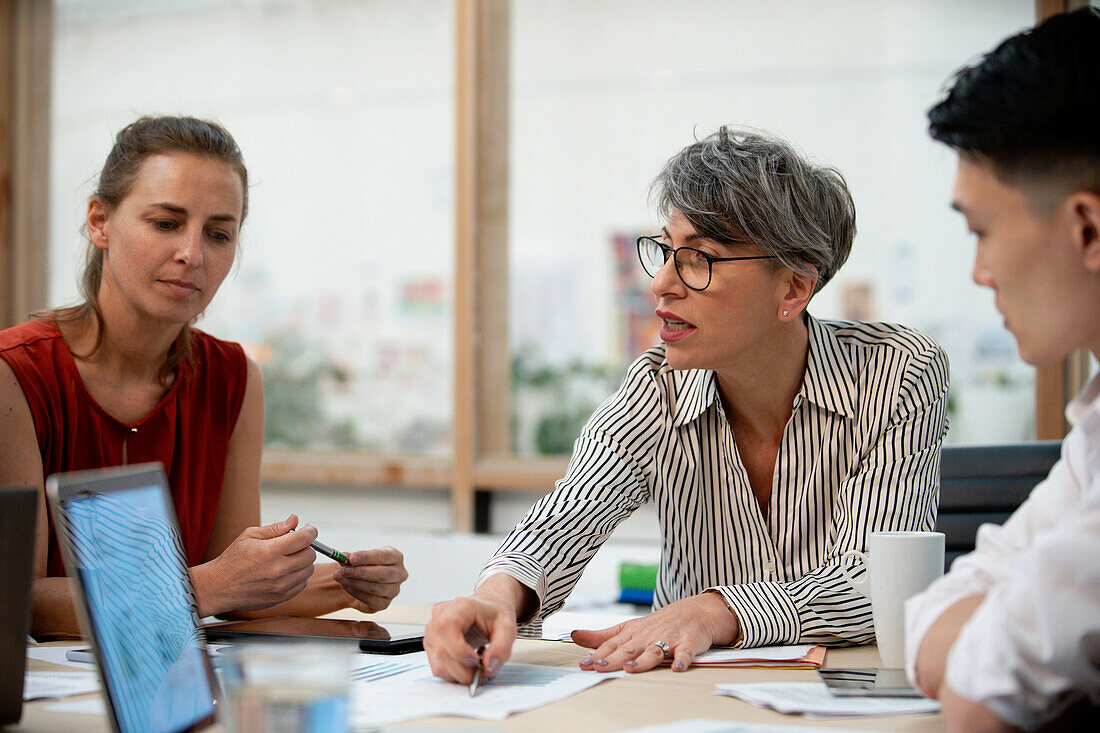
(393, 690)
(814, 699)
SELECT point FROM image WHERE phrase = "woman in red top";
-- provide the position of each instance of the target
(123, 378)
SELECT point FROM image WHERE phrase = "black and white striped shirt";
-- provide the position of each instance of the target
(859, 454)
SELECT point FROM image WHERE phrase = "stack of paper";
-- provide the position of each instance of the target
(798, 656)
(814, 699)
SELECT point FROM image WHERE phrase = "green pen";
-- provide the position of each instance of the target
(327, 551)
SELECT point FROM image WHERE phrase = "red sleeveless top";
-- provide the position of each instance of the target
(188, 431)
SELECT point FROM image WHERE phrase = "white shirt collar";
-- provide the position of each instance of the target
(1087, 401)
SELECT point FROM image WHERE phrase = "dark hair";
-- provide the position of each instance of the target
(737, 186)
(133, 144)
(1031, 106)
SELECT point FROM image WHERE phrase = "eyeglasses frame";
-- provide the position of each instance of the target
(673, 251)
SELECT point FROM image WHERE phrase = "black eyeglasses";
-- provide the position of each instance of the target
(692, 265)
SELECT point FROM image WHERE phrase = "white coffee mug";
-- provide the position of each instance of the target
(899, 565)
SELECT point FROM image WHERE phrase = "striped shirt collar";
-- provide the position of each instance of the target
(829, 381)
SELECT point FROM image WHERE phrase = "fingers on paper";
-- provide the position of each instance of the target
(682, 658)
(634, 647)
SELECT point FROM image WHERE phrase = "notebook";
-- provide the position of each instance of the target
(17, 509)
(117, 531)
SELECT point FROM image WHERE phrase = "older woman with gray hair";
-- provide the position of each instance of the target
(770, 442)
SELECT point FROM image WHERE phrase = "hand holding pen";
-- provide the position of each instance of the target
(477, 640)
(261, 567)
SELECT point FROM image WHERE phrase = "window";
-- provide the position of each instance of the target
(345, 114)
(603, 93)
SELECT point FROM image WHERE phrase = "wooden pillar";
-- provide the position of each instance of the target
(482, 388)
(1046, 8)
(26, 36)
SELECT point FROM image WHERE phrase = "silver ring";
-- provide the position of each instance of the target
(663, 647)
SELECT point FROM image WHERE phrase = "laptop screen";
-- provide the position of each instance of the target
(125, 547)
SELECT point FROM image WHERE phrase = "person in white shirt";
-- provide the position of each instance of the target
(1010, 638)
(769, 442)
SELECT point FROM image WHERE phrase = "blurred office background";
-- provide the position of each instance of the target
(346, 286)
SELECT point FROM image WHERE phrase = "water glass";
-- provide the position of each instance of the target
(286, 687)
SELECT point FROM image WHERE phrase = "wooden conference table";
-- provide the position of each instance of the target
(659, 696)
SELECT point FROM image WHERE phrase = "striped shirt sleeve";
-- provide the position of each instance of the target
(605, 482)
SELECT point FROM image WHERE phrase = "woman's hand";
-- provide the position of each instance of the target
(372, 577)
(458, 628)
(688, 627)
(263, 566)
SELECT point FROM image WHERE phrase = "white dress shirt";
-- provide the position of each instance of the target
(1033, 645)
(860, 453)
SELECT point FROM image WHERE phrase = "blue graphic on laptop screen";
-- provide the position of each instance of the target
(130, 565)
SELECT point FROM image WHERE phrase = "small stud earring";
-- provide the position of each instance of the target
(786, 313)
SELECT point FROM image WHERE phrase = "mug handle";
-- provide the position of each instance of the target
(861, 585)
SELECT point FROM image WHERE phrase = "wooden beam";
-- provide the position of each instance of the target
(465, 365)
(354, 469)
(494, 364)
(25, 193)
(7, 112)
(482, 386)
(519, 474)
(364, 470)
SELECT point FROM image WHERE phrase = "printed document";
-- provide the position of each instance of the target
(391, 691)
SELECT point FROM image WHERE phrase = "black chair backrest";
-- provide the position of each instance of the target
(986, 483)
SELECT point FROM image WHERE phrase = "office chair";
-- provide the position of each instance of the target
(986, 483)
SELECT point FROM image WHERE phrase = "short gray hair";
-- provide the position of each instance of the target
(739, 186)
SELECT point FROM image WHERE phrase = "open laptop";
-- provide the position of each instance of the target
(17, 516)
(117, 531)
